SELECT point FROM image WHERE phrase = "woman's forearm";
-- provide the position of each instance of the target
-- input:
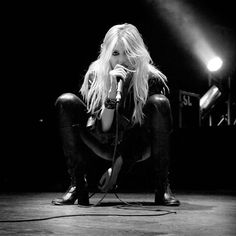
(107, 115)
(107, 118)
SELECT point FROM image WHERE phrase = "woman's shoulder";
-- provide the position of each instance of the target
(157, 84)
(154, 80)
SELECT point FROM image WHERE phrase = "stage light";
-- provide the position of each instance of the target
(214, 64)
(212, 45)
(197, 34)
(209, 99)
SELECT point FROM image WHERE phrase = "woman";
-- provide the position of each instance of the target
(121, 113)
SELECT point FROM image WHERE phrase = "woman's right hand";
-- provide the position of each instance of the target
(119, 72)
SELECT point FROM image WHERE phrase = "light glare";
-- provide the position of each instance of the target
(214, 64)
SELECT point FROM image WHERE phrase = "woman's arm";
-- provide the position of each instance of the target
(107, 115)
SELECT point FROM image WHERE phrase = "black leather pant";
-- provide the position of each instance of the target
(152, 137)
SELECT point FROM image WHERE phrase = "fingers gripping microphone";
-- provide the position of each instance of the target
(119, 89)
(120, 81)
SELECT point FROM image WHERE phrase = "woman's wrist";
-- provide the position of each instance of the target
(113, 89)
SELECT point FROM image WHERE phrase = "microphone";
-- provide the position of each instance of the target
(120, 81)
(119, 88)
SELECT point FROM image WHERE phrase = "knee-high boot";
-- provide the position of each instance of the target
(163, 194)
(69, 106)
(160, 124)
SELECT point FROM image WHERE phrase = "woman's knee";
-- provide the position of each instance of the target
(66, 98)
(71, 109)
(70, 101)
(158, 113)
(160, 102)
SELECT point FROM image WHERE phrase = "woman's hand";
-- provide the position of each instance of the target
(107, 115)
(118, 72)
(109, 178)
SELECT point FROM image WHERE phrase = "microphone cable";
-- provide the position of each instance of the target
(113, 156)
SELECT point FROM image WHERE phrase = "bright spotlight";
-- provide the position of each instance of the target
(214, 64)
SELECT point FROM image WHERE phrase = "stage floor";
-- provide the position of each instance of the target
(124, 214)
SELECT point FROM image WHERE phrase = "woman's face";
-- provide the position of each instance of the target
(119, 56)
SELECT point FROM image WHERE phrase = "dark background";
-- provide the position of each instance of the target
(48, 48)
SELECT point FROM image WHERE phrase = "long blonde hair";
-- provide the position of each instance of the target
(96, 92)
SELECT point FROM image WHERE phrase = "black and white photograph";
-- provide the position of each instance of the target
(118, 118)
